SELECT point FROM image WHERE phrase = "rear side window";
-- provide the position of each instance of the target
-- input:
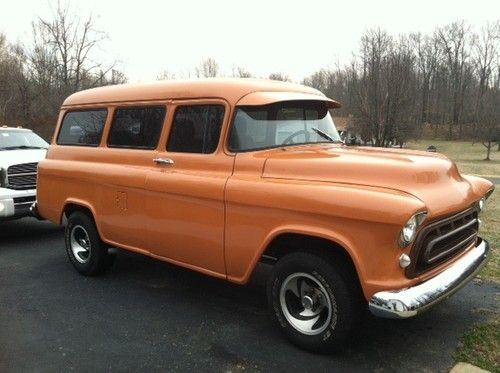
(196, 129)
(82, 127)
(137, 127)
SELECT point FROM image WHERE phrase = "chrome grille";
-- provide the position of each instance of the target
(22, 176)
(443, 239)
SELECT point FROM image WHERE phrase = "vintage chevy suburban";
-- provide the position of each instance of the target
(217, 175)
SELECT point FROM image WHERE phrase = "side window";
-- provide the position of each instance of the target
(250, 132)
(196, 129)
(136, 127)
(82, 127)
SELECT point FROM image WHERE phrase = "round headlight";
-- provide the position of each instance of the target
(410, 229)
(481, 204)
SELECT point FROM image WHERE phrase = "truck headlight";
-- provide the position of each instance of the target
(481, 204)
(410, 228)
(3, 177)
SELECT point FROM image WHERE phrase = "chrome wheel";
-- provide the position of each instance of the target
(80, 244)
(305, 303)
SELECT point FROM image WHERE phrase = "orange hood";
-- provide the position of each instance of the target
(430, 177)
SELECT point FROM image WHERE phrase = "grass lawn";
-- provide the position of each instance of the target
(481, 345)
(469, 158)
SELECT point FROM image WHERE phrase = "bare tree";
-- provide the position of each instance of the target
(319, 80)
(11, 81)
(454, 40)
(427, 52)
(60, 61)
(240, 72)
(68, 42)
(486, 52)
(279, 76)
(207, 69)
(489, 129)
(165, 75)
(117, 77)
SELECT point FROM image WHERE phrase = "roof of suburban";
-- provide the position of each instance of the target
(231, 90)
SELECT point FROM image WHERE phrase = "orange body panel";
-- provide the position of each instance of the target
(217, 213)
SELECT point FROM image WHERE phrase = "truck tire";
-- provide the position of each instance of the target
(85, 249)
(313, 301)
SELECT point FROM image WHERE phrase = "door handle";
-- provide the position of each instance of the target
(166, 161)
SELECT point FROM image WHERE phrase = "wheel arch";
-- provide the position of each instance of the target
(292, 239)
(71, 206)
(287, 242)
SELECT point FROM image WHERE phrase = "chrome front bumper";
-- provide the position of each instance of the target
(404, 303)
(15, 203)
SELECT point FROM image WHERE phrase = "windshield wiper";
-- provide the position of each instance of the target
(326, 136)
(22, 147)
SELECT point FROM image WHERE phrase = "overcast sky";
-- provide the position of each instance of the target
(262, 36)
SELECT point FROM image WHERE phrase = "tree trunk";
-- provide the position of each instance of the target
(488, 150)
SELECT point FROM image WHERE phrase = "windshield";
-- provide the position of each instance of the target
(11, 140)
(282, 124)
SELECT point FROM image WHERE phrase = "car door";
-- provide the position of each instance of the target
(185, 202)
(132, 141)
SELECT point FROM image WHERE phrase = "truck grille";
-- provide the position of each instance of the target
(443, 239)
(22, 176)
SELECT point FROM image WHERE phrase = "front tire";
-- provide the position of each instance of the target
(313, 301)
(86, 252)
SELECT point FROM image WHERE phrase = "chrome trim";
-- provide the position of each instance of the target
(268, 259)
(166, 161)
(34, 211)
(404, 261)
(404, 303)
(432, 243)
(420, 261)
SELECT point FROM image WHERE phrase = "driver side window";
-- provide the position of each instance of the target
(249, 132)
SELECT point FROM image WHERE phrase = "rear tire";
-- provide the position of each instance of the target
(314, 302)
(85, 249)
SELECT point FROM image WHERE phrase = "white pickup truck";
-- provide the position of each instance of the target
(20, 151)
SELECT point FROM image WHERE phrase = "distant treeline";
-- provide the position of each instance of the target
(394, 87)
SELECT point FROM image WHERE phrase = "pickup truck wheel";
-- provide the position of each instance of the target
(311, 301)
(88, 254)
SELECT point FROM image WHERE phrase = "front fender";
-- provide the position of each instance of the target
(304, 230)
(365, 221)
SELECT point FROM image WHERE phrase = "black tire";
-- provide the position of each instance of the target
(326, 279)
(81, 234)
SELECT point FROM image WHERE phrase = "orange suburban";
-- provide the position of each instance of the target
(217, 175)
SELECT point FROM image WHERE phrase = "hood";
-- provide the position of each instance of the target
(12, 157)
(430, 177)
